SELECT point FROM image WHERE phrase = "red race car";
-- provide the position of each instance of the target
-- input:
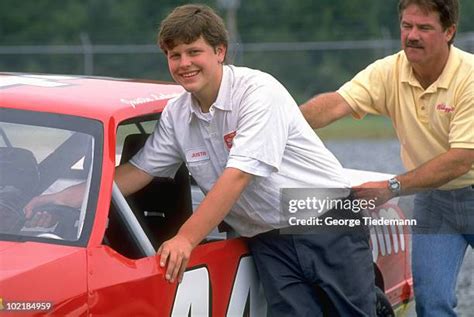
(99, 259)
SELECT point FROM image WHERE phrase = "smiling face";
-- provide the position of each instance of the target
(197, 67)
(424, 40)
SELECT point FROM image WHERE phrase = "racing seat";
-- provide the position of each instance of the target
(18, 168)
(165, 204)
(19, 179)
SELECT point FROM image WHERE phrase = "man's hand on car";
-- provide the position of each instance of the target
(175, 255)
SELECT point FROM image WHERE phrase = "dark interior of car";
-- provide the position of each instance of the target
(161, 207)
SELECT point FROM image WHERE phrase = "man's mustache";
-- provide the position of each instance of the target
(413, 44)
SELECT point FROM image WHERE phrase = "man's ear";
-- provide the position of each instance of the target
(450, 31)
(221, 52)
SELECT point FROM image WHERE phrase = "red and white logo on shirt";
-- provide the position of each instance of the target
(229, 138)
(444, 108)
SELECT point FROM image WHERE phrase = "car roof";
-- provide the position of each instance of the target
(100, 98)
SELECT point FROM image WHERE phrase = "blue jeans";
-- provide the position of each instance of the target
(444, 230)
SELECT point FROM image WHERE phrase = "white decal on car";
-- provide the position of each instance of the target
(192, 296)
(386, 239)
(247, 298)
(152, 97)
(33, 80)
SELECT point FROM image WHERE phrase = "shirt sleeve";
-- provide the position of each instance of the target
(160, 155)
(262, 130)
(250, 165)
(461, 130)
(366, 92)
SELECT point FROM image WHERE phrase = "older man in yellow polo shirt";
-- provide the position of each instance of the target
(427, 90)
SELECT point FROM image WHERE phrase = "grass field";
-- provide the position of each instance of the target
(371, 127)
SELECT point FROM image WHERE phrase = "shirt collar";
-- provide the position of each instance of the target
(406, 74)
(444, 79)
(193, 105)
(223, 100)
(451, 65)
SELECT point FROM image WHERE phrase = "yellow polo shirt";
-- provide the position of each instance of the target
(428, 122)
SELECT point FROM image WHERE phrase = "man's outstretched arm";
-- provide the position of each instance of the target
(430, 175)
(129, 179)
(324, 109)
(215, 206)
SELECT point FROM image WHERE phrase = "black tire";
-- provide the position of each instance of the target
(383, 306)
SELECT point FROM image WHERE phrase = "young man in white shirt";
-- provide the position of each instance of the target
(243, 138)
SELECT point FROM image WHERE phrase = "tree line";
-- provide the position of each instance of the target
(52, 22)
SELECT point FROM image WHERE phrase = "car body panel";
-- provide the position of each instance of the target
(141, 282)
(40, 272)
(389, 247)
(102, 99)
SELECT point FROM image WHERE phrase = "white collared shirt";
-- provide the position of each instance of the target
(255, 126)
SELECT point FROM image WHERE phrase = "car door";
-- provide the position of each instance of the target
(220, 279)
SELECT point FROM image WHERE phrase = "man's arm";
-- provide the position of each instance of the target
(210, 213)
(324, 109)
(129, 179)
(71, 196)
(432, 174)
(438, 171)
